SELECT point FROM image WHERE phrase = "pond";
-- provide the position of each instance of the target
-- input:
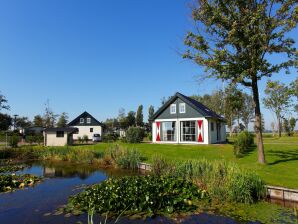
(38, 204)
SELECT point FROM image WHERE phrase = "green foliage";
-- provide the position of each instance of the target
(85, 138)
(30, 139)
(124, 157)
(63, 120)
(110, 137)
(286, 127)
(245, 187)
(137, 194)
(11, 168)
(134, 135)
(242, 143)
(140, 117)
(9, 182)
(292, 122)
(3, 103)
(222, 181)
(38, 121)
(5, 122)
(278, 100)
(131, 119)
(80, 139)
(150, 116)
(14, 141)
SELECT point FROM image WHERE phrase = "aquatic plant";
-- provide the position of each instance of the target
(9, 182)
(137, 194)
(11, 168)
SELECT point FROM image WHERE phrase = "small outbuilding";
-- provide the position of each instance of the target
(184, 120)
(59, 136)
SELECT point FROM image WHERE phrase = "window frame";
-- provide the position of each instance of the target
(91, 130)
(82, 120)
(180, 107)
(59, 134)
(188, 134)
(172, 106)
(166, 136)
(88, 120)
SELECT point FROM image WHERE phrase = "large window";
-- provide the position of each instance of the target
(169, 131)
(188, 131)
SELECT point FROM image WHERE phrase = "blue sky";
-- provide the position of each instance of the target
(97, 56)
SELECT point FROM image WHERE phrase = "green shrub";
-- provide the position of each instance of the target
(39, 139)
(14, 141)
(85, 139)
(110, 137)
(150, 136)
(30, 139)
(242, 143)
(137, 194)
(134, 135)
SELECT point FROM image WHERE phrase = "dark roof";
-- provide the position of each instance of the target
(201, 108)
(84, 114)
(65, 129)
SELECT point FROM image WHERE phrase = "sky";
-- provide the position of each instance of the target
(98, 56)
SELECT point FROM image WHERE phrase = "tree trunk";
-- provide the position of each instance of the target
(278, 125)
(258, 121)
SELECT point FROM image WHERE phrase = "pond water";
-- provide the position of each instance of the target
(38, 204)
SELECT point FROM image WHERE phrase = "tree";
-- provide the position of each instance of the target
(215, 101)
(294, 92)
(233, 105)
(232, 40)
(3, 102)
(286, 126)
(38, 121)
(150, 116)
(247, 110)
(5, 122)
(122, 119)
(277, 100)
(49, 118)
(131, 119)
(273, 128)
(22, 122)
(63, 120)
(140, 117)
(292, 123)
(165, 99)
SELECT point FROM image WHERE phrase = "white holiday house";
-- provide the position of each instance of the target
(184, 120)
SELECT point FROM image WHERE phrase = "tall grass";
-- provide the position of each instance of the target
(124, 157)
(223, 181)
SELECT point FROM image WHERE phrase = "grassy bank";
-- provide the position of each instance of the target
(281, 156)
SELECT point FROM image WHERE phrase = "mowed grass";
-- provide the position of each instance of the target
(281, 156)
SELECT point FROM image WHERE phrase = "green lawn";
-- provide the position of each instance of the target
(281, 156)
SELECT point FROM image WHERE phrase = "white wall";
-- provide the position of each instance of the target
(52, 140)
(85, 130)
(205, 130)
